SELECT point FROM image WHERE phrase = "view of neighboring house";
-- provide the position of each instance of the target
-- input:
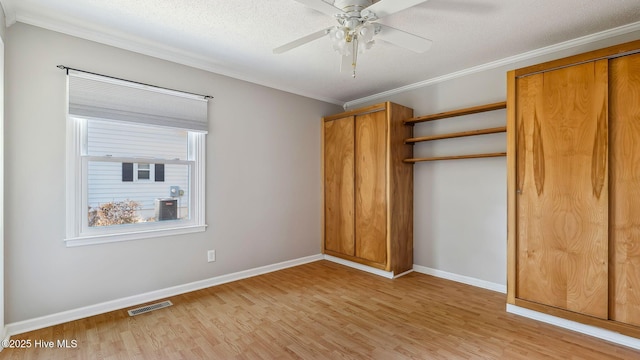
(115, 176)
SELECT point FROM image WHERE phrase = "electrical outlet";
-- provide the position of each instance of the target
(211, 255)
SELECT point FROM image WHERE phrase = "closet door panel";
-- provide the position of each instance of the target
(624, 103)
(562, 189)
(338, 185)
(539, 278)
(370, 187)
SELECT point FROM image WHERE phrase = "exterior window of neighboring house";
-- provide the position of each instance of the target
(135, 161)
(143, 172)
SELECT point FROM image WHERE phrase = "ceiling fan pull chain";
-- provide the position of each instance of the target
(355, 55)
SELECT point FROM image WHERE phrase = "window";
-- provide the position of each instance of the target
(143, 171)
(131, 187)
(135, 164)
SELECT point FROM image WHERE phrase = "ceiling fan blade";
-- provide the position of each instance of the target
(403, 39)
(303, 40)
(322, 6)
(387, 7)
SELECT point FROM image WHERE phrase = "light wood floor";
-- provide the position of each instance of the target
(323, 310)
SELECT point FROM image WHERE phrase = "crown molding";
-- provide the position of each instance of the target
(154, 49)
(9, 12)
(603, 35)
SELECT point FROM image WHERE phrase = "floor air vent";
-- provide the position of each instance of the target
(148, 308)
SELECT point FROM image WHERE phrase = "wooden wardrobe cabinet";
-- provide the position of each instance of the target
(368, 190)
(574, 188)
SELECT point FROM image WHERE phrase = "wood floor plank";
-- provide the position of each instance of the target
(323, 310)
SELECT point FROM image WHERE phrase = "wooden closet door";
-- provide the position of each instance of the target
(624, 110)
(561, 179)
(371, 188)
(339, 185)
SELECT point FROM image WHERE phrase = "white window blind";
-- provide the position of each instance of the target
(105, 98)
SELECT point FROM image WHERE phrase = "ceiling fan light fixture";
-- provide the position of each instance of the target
(366, 32)
(339, 40)
(364, 46)
(342, 47)
(357, 28)
(356, 38)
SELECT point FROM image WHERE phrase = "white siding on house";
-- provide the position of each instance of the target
(124, 140)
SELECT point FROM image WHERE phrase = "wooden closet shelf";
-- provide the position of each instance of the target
(455, 157)
(459, 112)
(500, 129)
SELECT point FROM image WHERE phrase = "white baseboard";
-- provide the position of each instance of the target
(597, 332)
(461, 279)
(75, 314)
(403, 274)
(355, 265)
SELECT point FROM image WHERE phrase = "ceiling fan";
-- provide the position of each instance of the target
(357, 28)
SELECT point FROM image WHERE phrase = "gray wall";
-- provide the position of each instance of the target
(460, 206)
(263, 180)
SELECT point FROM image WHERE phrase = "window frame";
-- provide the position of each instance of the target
(137, 169)
(78, 232)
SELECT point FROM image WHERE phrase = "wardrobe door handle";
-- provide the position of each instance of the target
(599, 159)
(538, 155)
(521, 154)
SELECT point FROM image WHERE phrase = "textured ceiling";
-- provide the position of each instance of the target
(236, 37)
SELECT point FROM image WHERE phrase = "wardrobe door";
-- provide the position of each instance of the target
(562, 188)
(370, 187)
(624, 110)
(339, 185)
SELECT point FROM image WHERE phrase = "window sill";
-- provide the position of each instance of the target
(134, 235)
